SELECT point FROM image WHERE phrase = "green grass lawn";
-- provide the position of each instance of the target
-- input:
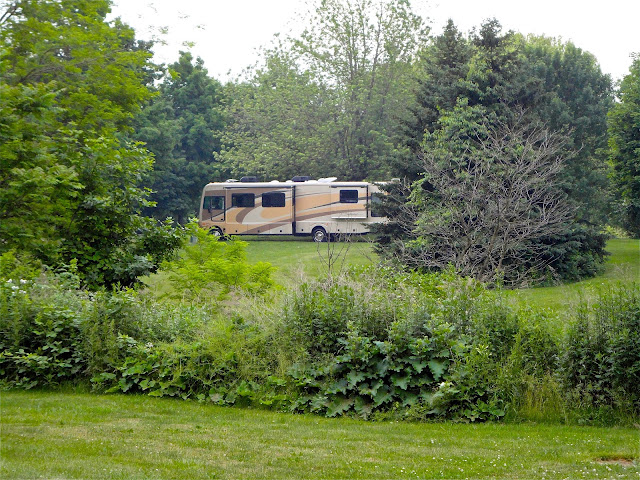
(622, 266)
(296, 258)
(299, 258)
(75, 435)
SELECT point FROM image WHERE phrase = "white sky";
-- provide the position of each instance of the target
(227, 33)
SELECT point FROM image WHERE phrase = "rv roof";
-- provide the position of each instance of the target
(287, 183)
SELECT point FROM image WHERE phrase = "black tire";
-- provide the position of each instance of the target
(216, 232)
(319, 234)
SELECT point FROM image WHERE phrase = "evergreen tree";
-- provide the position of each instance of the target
(442, 79)
(501, 78)
(624, 143)
(182, 126)
(574, 96)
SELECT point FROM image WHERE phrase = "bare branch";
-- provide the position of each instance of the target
(491, 212)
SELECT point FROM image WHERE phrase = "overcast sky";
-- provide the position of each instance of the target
(227, 33)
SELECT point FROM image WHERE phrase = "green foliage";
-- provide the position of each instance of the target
(51, 331)
(447, 348)
(208, 269)
(196, 370)
(182, 126)
(280, 122)
(370, 374)
(40, 331)
(113, 243)
(376, 344)
(574, 96)
(469, 89)
(327, 103)
(35, 184)
(71, 82)
(601, 360)
(624, 148)
(320, 315)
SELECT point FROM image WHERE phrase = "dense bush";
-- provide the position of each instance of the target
(208, 270)
(375, 344)
(601, 360)
(434, 346)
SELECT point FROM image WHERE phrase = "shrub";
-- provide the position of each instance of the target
(52, 331)
(40, 332)
(209, 269)
(439, 347)
(371, 374)
(601, 360)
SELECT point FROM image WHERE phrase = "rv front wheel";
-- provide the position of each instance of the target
(216, 232)
(319, 234)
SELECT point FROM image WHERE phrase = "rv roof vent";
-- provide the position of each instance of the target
(327, 179)
(249, 179)
(301, 178)
(231, 180)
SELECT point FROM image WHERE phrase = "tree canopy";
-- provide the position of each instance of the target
(328, 103)
(624, 143)
(492, 79)
(73, 82)
(182, 126)
(94, 137)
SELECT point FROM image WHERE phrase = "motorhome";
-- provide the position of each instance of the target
(321, 208)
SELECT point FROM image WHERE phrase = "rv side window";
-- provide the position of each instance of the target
(243, 200)
(273, 199)
(376, 205)
(348, 196)
(213, 203)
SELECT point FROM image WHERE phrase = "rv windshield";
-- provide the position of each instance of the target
(213, 203)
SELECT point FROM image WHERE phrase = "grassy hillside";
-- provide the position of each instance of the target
(622, 266)
(296, 258)
(71, 435)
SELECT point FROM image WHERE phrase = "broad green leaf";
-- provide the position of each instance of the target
(400, 380)
(319, 402)
(418, 363)
(338, 387)
(354, 377)
(339, 405)
(437, 368)
(383, 395)
(363, 407)
(372, 388)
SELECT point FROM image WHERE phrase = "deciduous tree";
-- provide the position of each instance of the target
(489, 200)
(328, 103)
(74, 81)
(182, 127)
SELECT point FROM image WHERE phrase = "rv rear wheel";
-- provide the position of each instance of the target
(319, 234)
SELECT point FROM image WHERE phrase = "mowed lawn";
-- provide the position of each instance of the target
(297, 259)
(84, 436)
(622, 267)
